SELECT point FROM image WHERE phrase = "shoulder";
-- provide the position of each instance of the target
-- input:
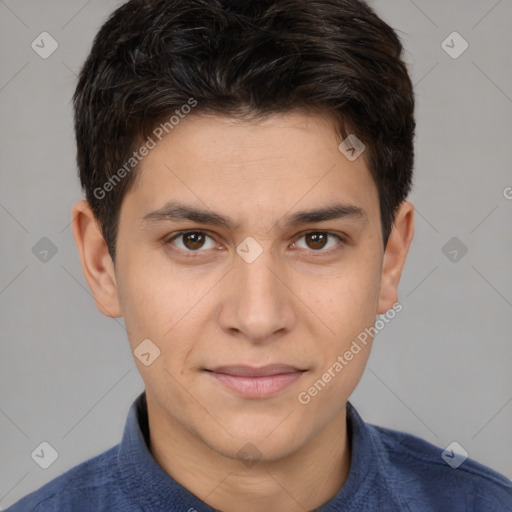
(416, 468)
(82, 487)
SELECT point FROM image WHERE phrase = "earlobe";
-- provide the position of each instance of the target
(395, 255)
(97, 264)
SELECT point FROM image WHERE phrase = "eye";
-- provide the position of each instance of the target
(191, 241)
(196, 241)
(318, 240)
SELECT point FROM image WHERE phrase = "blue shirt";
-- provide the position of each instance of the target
(390, 471)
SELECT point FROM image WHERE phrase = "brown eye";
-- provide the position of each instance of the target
(316, 240)
(191, 241)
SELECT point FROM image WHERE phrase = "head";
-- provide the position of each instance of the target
(224, 119)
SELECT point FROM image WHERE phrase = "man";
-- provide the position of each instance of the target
(246, 167)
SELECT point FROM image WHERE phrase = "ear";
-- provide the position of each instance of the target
(395, 253)
(97, 264)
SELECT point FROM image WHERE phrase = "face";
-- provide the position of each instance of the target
(252, 299)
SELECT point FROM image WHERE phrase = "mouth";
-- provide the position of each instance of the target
(252, 382)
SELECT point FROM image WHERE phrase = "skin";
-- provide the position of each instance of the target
(300, 302)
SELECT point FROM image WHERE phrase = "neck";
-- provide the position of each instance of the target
(303, 480)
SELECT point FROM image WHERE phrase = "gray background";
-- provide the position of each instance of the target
(441, 369)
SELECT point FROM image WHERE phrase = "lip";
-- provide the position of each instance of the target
(256, 382)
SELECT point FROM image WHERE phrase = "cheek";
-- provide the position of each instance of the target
(348, 300)
(147, 293)
(349, 308)
(163, 303)
(144, 302)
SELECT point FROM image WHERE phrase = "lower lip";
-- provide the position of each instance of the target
(257, 387)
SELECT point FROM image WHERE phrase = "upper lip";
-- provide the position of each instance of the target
(251, 371)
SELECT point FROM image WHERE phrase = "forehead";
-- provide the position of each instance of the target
(276, 164)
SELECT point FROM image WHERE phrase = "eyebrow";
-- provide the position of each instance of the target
(175, 211)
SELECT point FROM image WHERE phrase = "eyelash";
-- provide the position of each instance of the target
(341, 241)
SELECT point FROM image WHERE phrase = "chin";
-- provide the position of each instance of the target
(250, 450)
(263, 438)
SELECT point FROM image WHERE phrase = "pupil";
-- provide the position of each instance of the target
(194, 240)
(319, 240)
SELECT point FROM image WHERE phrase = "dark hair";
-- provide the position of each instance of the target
(246, 58)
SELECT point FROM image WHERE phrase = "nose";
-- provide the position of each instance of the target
(258, 304)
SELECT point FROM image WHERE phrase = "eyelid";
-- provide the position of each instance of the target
(170, 238)
(342, 239)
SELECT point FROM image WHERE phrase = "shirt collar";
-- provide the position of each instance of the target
(154, 490)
